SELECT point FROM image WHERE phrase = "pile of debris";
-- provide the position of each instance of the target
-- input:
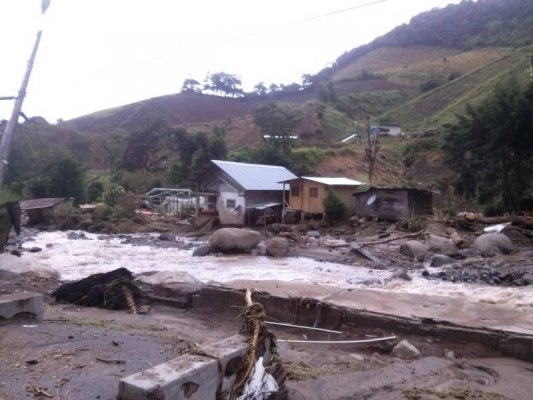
(115, 290)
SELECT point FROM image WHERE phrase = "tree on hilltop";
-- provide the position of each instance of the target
(191, 86)
(225, 84)
(276, 123)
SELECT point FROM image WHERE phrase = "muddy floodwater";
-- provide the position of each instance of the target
(76, 259)
(69, 353)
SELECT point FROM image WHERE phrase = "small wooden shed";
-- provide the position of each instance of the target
(393, 204)
(45, 209)
(307, 194)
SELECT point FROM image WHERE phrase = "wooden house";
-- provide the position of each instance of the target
(307, 194)
(393, 204)
(238, 193)
(45, 210)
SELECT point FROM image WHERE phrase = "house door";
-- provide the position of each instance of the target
(211, 203)
(296, 200)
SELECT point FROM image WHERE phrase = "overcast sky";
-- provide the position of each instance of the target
(97, 54)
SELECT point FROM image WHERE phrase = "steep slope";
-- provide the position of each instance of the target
(450, 96)
(177, 109)
(419, 75)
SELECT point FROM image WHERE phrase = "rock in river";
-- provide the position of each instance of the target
(277, 247)
(234, 240)
(490, 244)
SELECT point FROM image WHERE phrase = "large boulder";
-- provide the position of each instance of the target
(167, 236)
(202, 251)
(436, 228)
(414, 249)
(234, 240)
(438, 260)
(277, 247)
(490, 244)
(11, 264)
(441, 245)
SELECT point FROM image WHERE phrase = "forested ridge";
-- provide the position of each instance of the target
(423, 76)
(467, 25)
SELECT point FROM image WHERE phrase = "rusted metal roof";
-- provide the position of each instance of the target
(40, 203)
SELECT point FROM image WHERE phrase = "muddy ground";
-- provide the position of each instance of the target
(81, 353)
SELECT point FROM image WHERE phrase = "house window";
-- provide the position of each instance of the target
(231, 203)
(295, 191)
(313, 192)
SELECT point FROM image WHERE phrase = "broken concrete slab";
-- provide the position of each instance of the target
(190, 376)
(22, 303)
(405, 350)
(510, 331)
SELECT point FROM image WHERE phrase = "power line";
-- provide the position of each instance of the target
(259, 32)
(305, 20)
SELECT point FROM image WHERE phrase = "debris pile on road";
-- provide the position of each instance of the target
(114, 290)
(256, 381)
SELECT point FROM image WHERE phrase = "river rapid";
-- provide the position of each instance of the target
(79, 258)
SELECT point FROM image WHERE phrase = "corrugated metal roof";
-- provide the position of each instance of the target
(333, 181)
(262, 206)
(256, 176)
(394, 188)
(40, 203)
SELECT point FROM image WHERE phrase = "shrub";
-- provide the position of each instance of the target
(126, 205)
(430, 84)
(112, 194)
(412, 224)
(454, 75)
(305, 160)
(334, 209)
(102, 213)
(95, 190)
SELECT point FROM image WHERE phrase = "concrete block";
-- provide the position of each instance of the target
(229, 353)
(191, 377)
(22, 302)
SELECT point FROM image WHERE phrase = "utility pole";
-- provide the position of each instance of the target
(7, 138)
(371, 149)
(530, 57)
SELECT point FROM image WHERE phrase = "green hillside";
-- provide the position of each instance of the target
(420, 76)
(438, 106)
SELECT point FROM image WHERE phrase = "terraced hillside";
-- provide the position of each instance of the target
(438, 105)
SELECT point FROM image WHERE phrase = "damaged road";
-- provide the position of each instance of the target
(79, 352)
(468, 345)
